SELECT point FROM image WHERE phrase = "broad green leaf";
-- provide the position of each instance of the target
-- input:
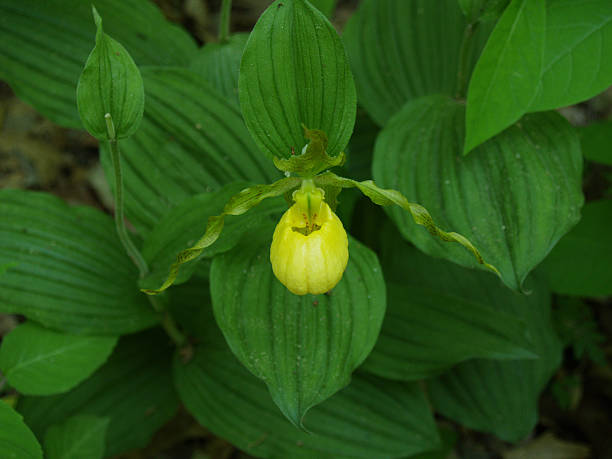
(81, 436)
(238, 204)
(133, 389)
(596, 142)
(419, 214)
(404, 49)
(482, 10)
(506, 77)
(576, 59)
(38, 361)
(219, 64)
(43, 67)
(580, 263)
(371, 418)
(431, 303)
(192, 140)
(303, 347)
(69, 271)
(110, 86)
(184, 224)
(16, 439)
(502, 397)
(191, 307)
(514, 197)
(324, 6)
(294, 72)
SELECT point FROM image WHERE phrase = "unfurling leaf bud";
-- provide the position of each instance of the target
(309, 249)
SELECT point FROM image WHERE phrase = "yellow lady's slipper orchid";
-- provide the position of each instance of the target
(309, 249)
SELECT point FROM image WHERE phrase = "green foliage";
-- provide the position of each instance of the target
(303, 347)
(68, 270)
(16, 439)
(431, 303)
(38, 361)
(371, 418)
(43, 67)
(404, 49)
(502, 397)
(110, 92)
(133, 390)
(580, 263)
(577, 329)
(182, 149)
(513, 197)
(294, 71)
(541, 55)
(78, 437)
(342, 374)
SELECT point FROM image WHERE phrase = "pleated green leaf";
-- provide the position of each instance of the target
(68, 269)
(16, 440)
(303, 347)
(580, 263)
(43, 67)
(237, 205)
(506, 76)
(133, 389)
(576, 59)
(294, 72)
(110, 86)
(219, 64)
(371, 418)
(596, 142)
(404, 49)
(502, 397)
(191, 140)
(439, 314)
(185, 224)
(513, 197)
(81, 436)
(39, 361)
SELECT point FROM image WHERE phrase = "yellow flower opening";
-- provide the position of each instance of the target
(309, 249)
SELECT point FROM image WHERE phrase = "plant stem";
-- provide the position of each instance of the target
(124, 237)
(224, 22)
(464, 58)
(172, 330)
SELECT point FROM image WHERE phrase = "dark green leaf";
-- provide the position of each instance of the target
(133, 389)
(110, 86)
(79, 437)
(483, 10)
(184, 225)
(237, 205)
(513, 197)
(596, 142)
(294, 71)
(431, 303)
(16, 439)
(578, 45)
(69, 271)
(371, 418)
(192, 140)
(43, 67)
(404, 49)
(303, 347)
(219, 64)
(502, 397)
(580, 263)
(38, 361)
(506, 77)
(324, 6)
